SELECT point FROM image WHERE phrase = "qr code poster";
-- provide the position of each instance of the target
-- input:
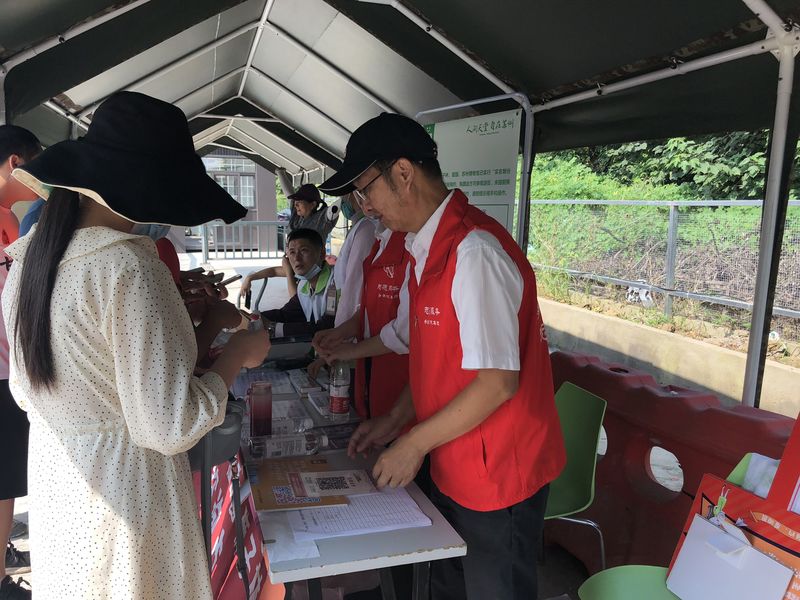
(331, 483)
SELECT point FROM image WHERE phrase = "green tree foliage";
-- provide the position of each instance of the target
(728, 166)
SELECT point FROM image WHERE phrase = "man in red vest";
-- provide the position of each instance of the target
(481, 387)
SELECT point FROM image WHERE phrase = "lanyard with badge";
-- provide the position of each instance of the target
(331, 299)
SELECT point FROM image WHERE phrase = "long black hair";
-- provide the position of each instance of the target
(39, 269)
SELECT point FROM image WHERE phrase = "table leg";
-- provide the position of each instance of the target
(314, 589)
(421, 583)
(387, 584)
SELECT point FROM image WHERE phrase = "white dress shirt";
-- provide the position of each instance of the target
(349, 273)
(486, 293)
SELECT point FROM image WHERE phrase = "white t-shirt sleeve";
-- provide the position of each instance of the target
(394, 334)
(350, 289)
(487, 294)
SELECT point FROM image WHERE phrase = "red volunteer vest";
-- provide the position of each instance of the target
(380, 298)
(518, 448)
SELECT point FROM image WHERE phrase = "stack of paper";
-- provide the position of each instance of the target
(388, 510)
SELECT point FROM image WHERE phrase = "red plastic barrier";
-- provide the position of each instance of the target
(641, 519)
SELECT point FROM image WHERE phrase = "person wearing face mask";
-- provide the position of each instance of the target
(309, 211)
(349, 273)
(313, 307)
(102, 354)
(380, 323)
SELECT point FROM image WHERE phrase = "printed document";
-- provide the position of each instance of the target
(388, 510)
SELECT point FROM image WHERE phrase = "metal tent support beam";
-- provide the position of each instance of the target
(762, 47)
(65, 113)
(346, 132)
(239, 118)
(774, 202)
(55, 41)
(294, 42)
(772, 222)
(319, 145)
(261, 144)
(256, 40)
(523, 208)
(175, 64)
(428, 28)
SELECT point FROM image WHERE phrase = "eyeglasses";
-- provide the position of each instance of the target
(361, 195)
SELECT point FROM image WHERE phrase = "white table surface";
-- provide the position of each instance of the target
(376, 550)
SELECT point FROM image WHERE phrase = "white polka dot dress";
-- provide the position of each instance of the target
(112, 508)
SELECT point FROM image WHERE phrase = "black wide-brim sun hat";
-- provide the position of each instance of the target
(138, 159)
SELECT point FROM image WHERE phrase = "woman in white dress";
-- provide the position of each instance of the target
(102, 353)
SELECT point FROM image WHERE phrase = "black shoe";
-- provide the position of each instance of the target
(9, 590)
(18, 530)
(17, 561)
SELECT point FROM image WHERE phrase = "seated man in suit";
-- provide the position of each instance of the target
(313, 307)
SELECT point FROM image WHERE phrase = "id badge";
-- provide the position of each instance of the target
(331, 301)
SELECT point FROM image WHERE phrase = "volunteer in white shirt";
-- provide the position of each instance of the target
(481, 387)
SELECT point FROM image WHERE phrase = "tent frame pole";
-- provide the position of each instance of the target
(762, 301)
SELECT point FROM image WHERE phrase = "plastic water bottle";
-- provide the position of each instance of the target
(302, 444)
(339, 391)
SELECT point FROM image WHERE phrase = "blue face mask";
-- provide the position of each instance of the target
(312, 272)
(152, 230)
(347, 210)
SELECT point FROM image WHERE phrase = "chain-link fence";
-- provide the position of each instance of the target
(697, 258)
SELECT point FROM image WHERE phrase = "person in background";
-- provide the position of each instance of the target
(17, 146)
(481, 387)
(309, 211)
(349, 273)
(31, 216)
(102, 354)
(379, 326)
(313, 307)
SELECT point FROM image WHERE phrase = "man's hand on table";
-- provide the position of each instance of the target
(344, 351)
(399, 463)
(326, 339)
(374, 433)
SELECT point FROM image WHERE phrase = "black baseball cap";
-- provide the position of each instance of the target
(386, 137)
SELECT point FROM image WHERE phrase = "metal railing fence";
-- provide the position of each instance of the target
(244, 239)
(698, 250)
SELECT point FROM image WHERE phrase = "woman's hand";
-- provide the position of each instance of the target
(251, 346)
(225, 315)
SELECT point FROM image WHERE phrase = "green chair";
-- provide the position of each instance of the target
(739, 471)
(581, 414)
(632, 582)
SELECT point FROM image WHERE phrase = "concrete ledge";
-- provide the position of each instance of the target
(670, 358)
